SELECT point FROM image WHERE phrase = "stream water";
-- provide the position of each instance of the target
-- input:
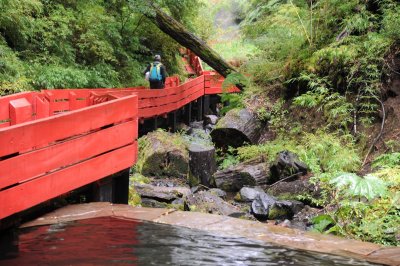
(111, 241)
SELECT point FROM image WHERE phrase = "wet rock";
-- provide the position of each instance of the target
(280, 211)
(152, 203)
(163, 154)
(248, 194)
(207, 202)
(167, 182)
(294, 205)
(208, 128)
(261, 205)
(210, 120)
(163, 194)
(178, 201)
(218, 192)
(268, 207)
(241, 175)
(287, 164)
(293, 189)
(302, 219)
(196, 189)
(196, 125)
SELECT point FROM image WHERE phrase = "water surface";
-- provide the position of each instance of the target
(111, 241)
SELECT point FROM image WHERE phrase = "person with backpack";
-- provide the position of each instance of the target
(156, 73)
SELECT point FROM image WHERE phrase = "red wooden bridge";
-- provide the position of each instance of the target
(55, 141)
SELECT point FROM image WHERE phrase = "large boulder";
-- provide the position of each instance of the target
(248, 194)
(287, 164)
(261, 206)
(163, 154)
(241, 175)
(284, 209)
(266, 207)
(208, 202)
(294, 189)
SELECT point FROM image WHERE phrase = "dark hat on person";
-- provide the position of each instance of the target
(157, 57)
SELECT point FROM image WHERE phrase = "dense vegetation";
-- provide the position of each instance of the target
(321, 75)
(77, 43)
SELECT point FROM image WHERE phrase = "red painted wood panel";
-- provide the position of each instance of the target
(159, 110)
(21, 111)
(180, 94)
(20, 137)
(48, 159)
(38, 190)
(4, 101)
(42, 107)
(170, 105)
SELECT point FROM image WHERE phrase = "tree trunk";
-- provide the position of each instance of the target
(180, 34)
(202, 165)
(236, 128)
(236, 177)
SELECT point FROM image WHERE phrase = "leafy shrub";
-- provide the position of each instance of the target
(387, 160)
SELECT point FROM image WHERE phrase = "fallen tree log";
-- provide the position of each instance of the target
(236, 128)
(241, 175)
(187, 39)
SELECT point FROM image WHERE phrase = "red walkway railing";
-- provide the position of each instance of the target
(54, 141)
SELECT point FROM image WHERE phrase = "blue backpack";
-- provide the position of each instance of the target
(155, 72)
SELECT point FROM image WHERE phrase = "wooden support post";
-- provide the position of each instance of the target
(172, 121)
(200, 109)
(188, 113)
(20, 111)
(155, 123)
(206, 105)
(9, 243)
(121, 187)
(103, 190)
(113, 188)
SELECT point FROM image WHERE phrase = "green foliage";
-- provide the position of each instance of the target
(139, 178)
(325, 154)
(387, 160)
(322, 223)
(376, 217)
(368, 187)
(77, 43)
(376, 221)
(331, 56)
(278, 35)
(227, 159)
(335, 107)
(391, 22)
(11, 69)
(231, 101)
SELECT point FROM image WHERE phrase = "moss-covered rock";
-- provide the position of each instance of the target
(163, 154)
(279, 212)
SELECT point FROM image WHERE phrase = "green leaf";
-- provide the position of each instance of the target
(352, 185)
(322, 222)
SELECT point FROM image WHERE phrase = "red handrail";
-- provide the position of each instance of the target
(49, 139)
